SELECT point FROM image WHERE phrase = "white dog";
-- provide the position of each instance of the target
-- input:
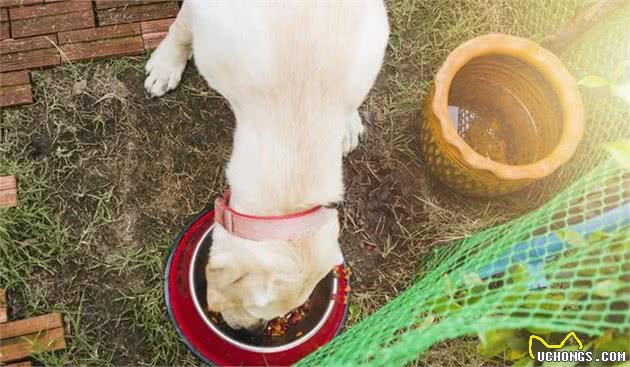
(294, 73)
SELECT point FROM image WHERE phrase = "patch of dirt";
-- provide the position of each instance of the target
(373, 218)
(126, 171)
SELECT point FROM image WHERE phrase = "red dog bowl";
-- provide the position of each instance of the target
(217, 344)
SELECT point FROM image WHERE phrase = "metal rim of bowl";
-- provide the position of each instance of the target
(237, 343)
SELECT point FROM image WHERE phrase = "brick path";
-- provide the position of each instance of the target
(42, 33)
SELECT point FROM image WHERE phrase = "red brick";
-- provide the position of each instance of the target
(156, 26)
(27, 44)
(137, 13)
(16, 95)
(28, 53)
(29, 59)
(100, 33)
(10, 3)
(103, 48)
(107, 4)
(14, 78)
(5, 32)
(49, 9)
(51, 24)
(152, 40)
(22, 347)
(8, 198)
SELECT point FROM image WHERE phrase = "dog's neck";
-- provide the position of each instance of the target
(275, 170)
(266, 206)
(283, 199)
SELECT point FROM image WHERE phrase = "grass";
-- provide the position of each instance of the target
(34, 246)
(79, 241)
(144, 303)
(30, 235)
(108, 177)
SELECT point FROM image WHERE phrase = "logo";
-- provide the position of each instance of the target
(554, 346)
(571, 353)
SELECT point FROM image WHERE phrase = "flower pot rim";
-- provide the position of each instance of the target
(543, 61)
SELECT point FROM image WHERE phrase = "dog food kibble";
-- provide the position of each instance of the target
(275, 327)
(280, 325)
(216, 318)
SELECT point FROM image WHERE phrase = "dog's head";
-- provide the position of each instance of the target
(251, 282)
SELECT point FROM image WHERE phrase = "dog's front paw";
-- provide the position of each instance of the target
(165, 68)
(354, 132)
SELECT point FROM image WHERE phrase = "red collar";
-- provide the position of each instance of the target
(259, 228)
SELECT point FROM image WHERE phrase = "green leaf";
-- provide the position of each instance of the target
(594, 81)
(587, 272)
(513, 355)
(475, 294)
(493, 342)
(598, 236)
(511, 298)
(597, 310)
(560, 364)
(620, 69)
(519, 274)
(445, 304)
(570, 348)
(572, 237)
(576, 295)
(552, 302)
(517, 347)
(540, 332)
(533, 299)
(606, 288)
(429, 320)
(472, 279)
(613, 344)
(472, 300)
(450, 288)
(620, 152)
(353, 311)
(524, 362)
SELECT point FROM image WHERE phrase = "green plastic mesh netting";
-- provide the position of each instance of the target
(564, 267)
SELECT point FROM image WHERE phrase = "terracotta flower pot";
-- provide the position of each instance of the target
(503, 113)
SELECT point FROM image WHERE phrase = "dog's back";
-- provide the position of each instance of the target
(315, 51)
(294, 73)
